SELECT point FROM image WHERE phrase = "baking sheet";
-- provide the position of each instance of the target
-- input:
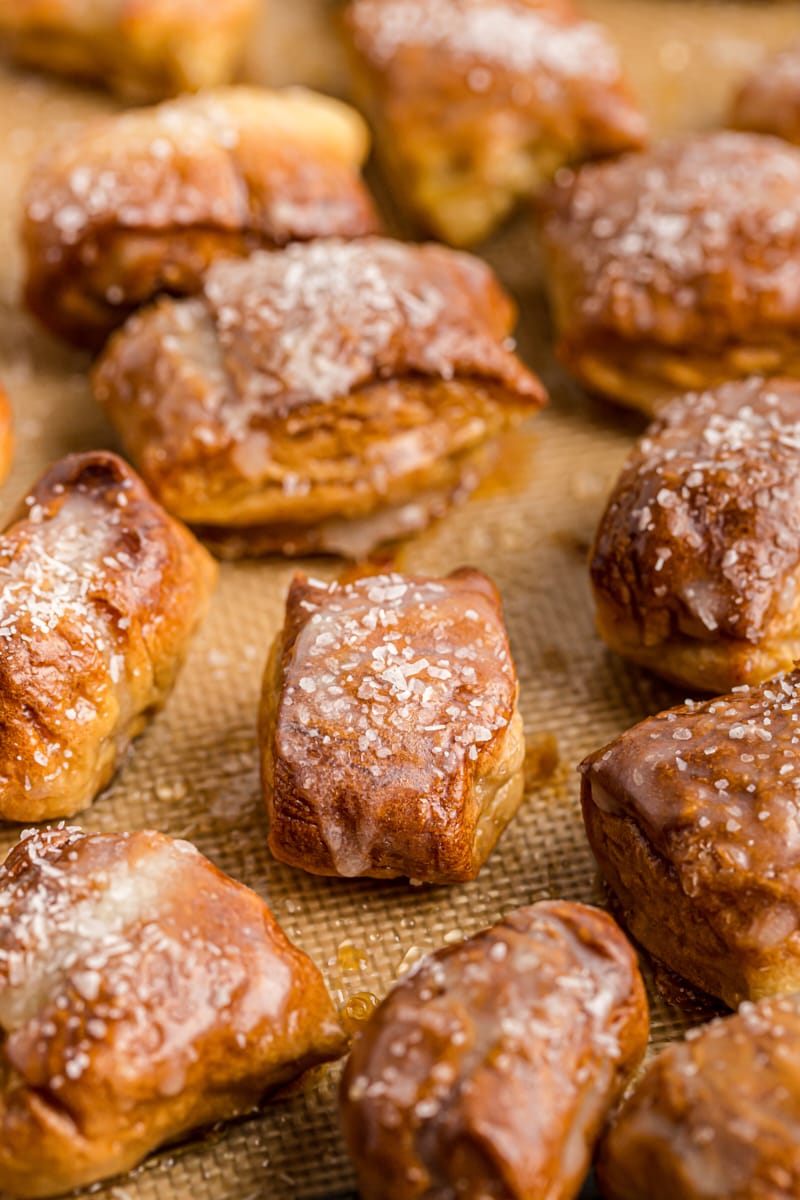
(194, 772)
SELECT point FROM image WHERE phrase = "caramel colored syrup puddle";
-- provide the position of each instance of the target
(350, 957)
(542, 759)
(358, 1009)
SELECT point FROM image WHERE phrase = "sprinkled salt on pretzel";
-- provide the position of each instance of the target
(390, 736)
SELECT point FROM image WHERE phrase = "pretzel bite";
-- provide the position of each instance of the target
(696, 563)
(716, 1117)
(143, 202)
(100, 593)
(391, 742)
(769, 100)
(693, 818)
(140, 49)
(327, 398)
(142, 993)
(674, 269)
(491, 1068)
(477, 103)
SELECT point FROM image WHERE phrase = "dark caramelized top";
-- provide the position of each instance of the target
(283, 165)
(99, 589)
(715, 789)
(715, 1117)
(536, 57)
(132, 969)
(321, 319)
(488, 1070)
(702, 531)
(691, 242)
(395, 690)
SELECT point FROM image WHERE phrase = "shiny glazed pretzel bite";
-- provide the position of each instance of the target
(676, 268)
(141, 49)
(391, 743)
(100, 593)
(490, 1069)
(476, 103)
(716, 1117)
(142, 993)
(769, 100)
(325, 398)
(693, 818)
(696, 562)
(143, 202)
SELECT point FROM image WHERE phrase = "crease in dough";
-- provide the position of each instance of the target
(328, 397)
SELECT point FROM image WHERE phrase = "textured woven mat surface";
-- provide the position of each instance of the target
(194, 772)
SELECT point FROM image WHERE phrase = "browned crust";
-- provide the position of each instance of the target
(141, 49)
(412, 377)
(356, 535)
(646, 376)
(701, 664)
(142, 202)
(669, 260)
(654, 907)
(691, 817)
(768, 101)
(472, 122)
(484, 1073)
(142, 993)
(716, 1117)
(696, 562)
(100, 593)
(411, 791)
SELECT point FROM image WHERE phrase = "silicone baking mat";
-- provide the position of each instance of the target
(194, 772)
